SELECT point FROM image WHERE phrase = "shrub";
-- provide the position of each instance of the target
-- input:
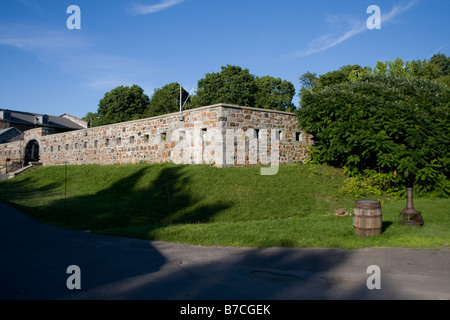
(390, 130)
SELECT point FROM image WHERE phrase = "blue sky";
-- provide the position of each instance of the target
(47, 68)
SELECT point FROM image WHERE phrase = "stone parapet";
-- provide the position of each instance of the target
(220, 135)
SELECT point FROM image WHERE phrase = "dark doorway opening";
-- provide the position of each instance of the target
(31, 152)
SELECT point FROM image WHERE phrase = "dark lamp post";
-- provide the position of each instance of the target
(410, 216)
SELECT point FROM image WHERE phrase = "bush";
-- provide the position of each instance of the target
(390, 130)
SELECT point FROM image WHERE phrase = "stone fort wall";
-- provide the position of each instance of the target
(220, 135)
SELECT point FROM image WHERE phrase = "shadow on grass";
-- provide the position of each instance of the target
(114, 269)
(14, 188)
(385, 225)
(152, 197)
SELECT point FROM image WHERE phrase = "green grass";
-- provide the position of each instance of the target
(216, 206)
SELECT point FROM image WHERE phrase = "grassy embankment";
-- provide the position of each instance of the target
(211, 206)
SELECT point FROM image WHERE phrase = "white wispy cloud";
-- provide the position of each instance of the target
(354, 27)
(330, 40)
(74, 55)
(38, 39)
(438, 50)
(148, 9)
(397, 10)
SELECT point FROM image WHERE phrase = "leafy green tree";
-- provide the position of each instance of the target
(343, 75)
(121, 104)
(91, 118)
(166, 100)
(232, 85)
(393, 129)
(409, 69)
(309, 80)
(235, 85)
(441, 65)
(274, 93)
(437, 68)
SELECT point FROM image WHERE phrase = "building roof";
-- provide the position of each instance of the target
(28, 118)
(10, 134)
(3, 131)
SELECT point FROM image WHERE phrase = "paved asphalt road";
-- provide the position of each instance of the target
(34, 260)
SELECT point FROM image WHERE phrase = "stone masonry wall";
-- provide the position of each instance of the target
(220, 135)
(12, 151)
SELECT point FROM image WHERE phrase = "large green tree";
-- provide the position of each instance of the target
(235, 85)
(232, 85)
(166, 100)
(343, 75)
(442, 64)
(309, 80)
(91, 118)
(119, 105)
(274, 93)
(437, 68)
(395, 129)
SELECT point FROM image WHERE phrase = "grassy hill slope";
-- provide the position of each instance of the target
(215, 206)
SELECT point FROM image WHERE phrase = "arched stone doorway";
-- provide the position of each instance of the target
(31, 152)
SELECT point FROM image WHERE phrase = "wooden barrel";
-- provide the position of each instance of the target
(367, 218)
